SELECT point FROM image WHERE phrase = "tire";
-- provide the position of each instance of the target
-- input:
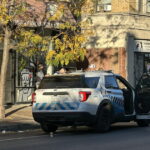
(142, 123)
(47, 128)
(104, 119)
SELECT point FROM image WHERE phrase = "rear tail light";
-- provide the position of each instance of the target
(33, 98)
(84, 96)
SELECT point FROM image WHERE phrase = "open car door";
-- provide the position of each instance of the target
(128, 93)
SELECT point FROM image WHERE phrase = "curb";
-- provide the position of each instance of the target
(18, 127)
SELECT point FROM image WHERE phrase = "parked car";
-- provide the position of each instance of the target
(95, 99)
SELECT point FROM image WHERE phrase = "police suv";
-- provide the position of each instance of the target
(95, 99)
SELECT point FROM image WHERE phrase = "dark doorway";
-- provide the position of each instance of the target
(146, 62)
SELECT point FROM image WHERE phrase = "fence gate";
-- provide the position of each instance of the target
(25, 84)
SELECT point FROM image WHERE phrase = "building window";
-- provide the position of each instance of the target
(148, 6)
(103, 5)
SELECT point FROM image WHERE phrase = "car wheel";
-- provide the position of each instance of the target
(104, 119)
(47, 128)
(142, 123)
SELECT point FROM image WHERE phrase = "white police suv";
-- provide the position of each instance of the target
(95, 99)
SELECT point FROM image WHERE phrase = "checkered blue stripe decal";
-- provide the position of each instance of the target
(116, 100)
(118, 104)
(56, 106)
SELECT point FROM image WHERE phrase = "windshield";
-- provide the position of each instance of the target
(68, 82)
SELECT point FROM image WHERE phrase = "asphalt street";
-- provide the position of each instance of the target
(120, 137)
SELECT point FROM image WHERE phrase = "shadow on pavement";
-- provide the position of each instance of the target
(87, 130)
(14, 111)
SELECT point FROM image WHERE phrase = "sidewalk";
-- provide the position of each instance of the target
(18, 118)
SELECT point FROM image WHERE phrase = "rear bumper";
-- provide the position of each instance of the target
(64, 118)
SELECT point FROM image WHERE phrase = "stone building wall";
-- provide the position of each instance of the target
(124, 5)
(117, 31)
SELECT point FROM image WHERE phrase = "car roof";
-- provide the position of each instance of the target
(97, 73)
(86, 73)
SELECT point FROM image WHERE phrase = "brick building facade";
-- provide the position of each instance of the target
(120, 27)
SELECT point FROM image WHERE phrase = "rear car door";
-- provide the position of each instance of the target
(115, 94)
(128, 94)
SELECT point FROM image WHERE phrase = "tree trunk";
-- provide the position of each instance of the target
(3, 75)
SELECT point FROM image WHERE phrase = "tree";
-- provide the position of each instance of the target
(70, 46)
(16, 16)
(12, 11)
(7, 14)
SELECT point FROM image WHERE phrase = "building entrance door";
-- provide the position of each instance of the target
(141, 65)
(138, 66)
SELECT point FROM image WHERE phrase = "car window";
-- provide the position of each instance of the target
(91, 82)
(121, 85)
(61, 82)
(69, 82)
(110, 82)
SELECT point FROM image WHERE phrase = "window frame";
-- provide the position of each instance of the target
(117, 87)
(125, 82)
(147, 3)
(101, 6)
